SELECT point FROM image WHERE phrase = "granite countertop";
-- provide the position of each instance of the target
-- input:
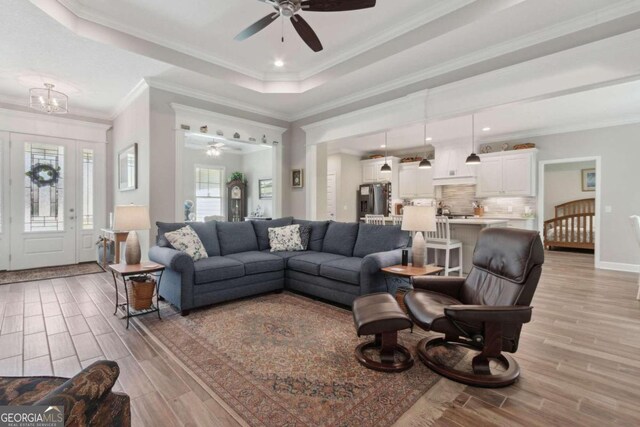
(477, 221)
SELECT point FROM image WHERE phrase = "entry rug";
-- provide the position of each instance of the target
(49, 272)
(286, 360)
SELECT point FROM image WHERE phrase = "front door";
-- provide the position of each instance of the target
(43, 201)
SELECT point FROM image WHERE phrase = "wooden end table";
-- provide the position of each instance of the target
(406, 272)
(125, 271)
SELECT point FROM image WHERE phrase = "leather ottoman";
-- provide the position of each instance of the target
(380, 315)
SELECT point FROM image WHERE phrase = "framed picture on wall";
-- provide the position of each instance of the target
(297, 178)
(128, 168)
(588, 180)
(265, 189)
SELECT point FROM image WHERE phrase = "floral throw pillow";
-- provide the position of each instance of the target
(186, 240)
(286, 238)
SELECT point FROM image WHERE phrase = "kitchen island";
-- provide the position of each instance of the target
(466, 230)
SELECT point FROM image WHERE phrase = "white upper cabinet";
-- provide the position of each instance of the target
(450, 167)
(415, 182)
(505, 174)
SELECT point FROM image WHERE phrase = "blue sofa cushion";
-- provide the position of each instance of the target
(167, 227)
(318, 230)
(258, 262)
(286, 255)
(261, 229)
(344, 269)
(206, 231)
(236, 237)
(379, 238)
(217, 268)
(340, 238)
(310, 262)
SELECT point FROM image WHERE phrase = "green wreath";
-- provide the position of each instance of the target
(43, 174)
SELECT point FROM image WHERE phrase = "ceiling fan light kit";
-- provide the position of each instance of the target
(291, 8)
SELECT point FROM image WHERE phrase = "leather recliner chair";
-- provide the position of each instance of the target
(484, 311)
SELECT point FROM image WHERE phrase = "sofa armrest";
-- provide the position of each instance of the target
(373, 280)
(372, 263)
(88, 394)
(514, 314)
(443, 285)
(171, 258)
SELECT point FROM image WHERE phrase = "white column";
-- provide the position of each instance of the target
(316, 178)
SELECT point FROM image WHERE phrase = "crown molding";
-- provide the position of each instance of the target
(54, 119)
(562, 29)
(205, 96)
(133, 94)
(74, 114)
(188, 110)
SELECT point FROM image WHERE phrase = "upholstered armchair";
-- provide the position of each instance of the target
(87, 397)
(484, 311)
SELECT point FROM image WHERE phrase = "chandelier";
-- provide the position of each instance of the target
(48, 100)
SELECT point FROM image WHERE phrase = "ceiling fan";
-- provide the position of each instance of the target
(216, 149)
(290, 8)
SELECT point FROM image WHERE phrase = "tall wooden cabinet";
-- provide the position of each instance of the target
(236, 201)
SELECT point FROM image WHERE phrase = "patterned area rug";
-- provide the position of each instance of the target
(49, 272)
(285, 360)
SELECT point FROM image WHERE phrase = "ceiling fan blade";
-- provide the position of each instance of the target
(336, 5)
(306, 33)
(257, 26)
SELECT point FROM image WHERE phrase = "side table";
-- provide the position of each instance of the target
(118, 237)
(125, 271)
(406, 272)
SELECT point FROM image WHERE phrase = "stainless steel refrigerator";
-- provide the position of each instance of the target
(374, 199)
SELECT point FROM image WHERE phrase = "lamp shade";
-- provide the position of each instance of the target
(419, 218)
(131, 217)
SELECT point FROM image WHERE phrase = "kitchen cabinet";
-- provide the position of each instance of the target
(450, 167)
(415, 182)
(507, 174)
(371, 170)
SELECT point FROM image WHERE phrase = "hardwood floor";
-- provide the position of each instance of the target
(579, 355)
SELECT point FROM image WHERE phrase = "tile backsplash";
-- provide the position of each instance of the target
(460, 197)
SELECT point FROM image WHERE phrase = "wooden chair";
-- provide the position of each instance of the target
(635, 223)
(374, 219)
(441, 240)
(396, 219)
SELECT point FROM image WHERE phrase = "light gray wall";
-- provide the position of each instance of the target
(132, 126)
(563, 183)
(256, 166)
(348, 178)
(297, 157)
(620, 150)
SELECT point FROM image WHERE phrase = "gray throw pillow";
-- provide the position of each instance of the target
(305, 236)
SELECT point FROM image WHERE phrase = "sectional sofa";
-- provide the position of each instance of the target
(342, 261)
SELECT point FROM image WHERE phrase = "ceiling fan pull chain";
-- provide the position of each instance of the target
(282, 27)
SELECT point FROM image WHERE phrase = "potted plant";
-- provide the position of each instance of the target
(236, 176)
(141, 291)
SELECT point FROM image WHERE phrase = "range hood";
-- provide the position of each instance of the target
(449, 167)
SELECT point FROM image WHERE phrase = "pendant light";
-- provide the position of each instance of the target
(385, 168)
(473, 158)
(425, 163)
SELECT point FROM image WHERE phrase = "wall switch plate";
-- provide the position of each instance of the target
(608, 209)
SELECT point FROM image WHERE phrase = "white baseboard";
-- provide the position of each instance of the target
(619, 266)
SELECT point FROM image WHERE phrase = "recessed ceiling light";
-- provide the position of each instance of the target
(487, 129)
(383, 146)
(279, 63)
(429, 139)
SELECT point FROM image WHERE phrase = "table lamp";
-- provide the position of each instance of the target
(131, 218)
(419, 219)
